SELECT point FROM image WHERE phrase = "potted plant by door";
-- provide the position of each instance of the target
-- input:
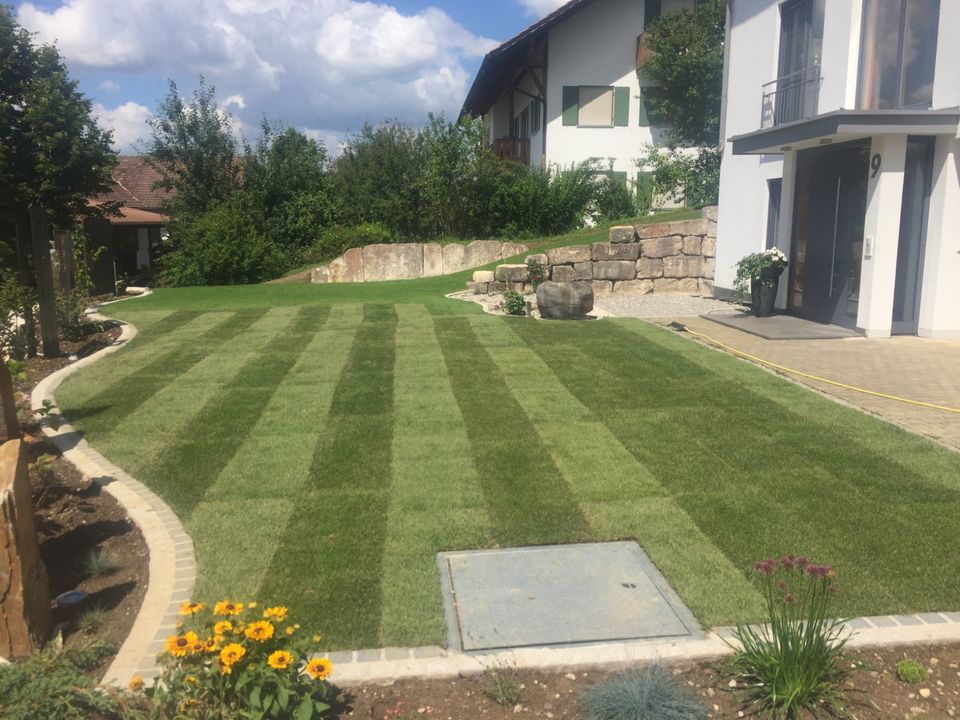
(761, 273)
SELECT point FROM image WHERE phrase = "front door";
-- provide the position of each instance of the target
(827, 247)
(913, 223)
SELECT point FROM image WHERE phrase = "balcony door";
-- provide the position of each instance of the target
(798, 71)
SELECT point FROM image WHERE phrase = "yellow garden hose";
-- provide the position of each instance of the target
(933, 406)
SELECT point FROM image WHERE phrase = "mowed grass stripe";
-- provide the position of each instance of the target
(329, 565)
(255, 494)
(435, 499)
(212, 437)
(619, 495)
(529, 500)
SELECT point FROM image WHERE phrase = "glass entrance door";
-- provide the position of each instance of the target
(827, 247)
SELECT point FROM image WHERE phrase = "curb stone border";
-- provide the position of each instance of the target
(172, 563)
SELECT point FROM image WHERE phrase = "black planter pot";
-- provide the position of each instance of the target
(763, 291)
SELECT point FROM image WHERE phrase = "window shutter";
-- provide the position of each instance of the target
(618, 176)
(621, 106)
(644, 115)
(651, 11)
(571, 104)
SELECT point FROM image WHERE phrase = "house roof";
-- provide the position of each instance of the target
(138, 216)
(133, 181)
(500, 64)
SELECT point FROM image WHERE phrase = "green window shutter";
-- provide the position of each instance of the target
(651, 11)
(571, 105)
(621, 106)
(618, 176)
(644, 115)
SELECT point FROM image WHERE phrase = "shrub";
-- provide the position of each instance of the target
(502, 685)
(336, 240)
(795, 663)
(16, 301)
(910, 671)
(649, 694)
(614, 199)
(71, 314)
(513, 303)
(688, 175)
(538, 273)
(91, 620)
(101, 562)
(237, 661)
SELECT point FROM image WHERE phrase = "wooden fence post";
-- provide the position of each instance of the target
(40, 234)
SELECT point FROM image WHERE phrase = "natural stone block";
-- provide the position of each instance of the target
(711, 229)
(676, 286)
(320, 274)
(705, 287)
(709, 267)
(519, 287)
(563, 273)
(540, 258)
(454, 258)
(649, 268)
(620, 251)
(564, 301)
(623, 234)
(708, 248)
(496, 287)
(348, 267)
(512, 273)
(602, 287)
(432, 259)
(662, 247)
(483, 276)
(680, 227)
(583, 271)
(400, 261)
(569, 255)
(682, 266)
(691, 245)
(615, 270)
(633, 287)
(711, 212)
(480, 288)
(481, 252)
(509, 250)
(25, 617)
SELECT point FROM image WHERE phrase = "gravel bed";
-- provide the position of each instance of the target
(660, 306)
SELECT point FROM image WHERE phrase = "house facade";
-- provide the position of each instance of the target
(570, 87)
(841, 122)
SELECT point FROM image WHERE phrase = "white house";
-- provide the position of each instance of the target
(841, 125)
(568, 88)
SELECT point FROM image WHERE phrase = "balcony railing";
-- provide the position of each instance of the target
(791, 97)
(513, 149)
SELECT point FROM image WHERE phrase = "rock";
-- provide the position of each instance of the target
(454, 258)
(483, 276)
(509, 250)
(633, 287)
(569, 255)
(711, 229)
(649, 268)
(682, 227)
(711, 212)
(540, 258)
(563, 273)
(432, 259)
(512, 273)
(708, 248)
(570, 676)
(661, 247)
(481, 252)
(615, 270)
(564, 301)
(496, 287)
(399, 261)
(709, 267)
(924, 692)
(623, 234)
(518, 287)
(602, 287)
(348, 267)
(320, 274)
(683, 266)
(691, 245)
(583, 271)
(611, 251)
(676, 286)
(480, 288)
(705, 287)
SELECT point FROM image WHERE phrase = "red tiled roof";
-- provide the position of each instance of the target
(133, 182)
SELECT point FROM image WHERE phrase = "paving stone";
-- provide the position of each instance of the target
(908, 620)
(368, 655)
(341, 657)
(428, 651)
(858, 624)
(952, 616)
(932, 618)
(883, 621)
(393, 653)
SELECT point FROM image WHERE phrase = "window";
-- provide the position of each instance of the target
(774, 190)
(535, 116)
(898, 53)
(524, 123)
(596, 106)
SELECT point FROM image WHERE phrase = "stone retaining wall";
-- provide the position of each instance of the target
(676, 258)
(409, 261)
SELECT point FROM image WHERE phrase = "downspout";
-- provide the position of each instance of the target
(726, 76)
(546, 91)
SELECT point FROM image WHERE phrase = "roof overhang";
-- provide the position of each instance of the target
(138, 216)
(844, 125)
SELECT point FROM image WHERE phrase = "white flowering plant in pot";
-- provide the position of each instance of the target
(759, 268)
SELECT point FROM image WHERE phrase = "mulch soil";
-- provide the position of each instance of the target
(76, 518)
(873, 685)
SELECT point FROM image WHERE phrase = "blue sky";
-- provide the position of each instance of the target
(324, 66)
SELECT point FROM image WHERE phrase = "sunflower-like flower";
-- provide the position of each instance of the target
(192, 679)
(277, 614)
(180, 645)
(261, 631)
(212, 644)
(225, 607)
(191, 608)
(222, 627)
(319, 668)
(136, 682)
(224, 668)
(231, 654)
(280, 660)
(291, 630)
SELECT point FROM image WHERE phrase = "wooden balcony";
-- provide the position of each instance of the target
(517, 149)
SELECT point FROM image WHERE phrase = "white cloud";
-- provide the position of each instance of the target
(109, 86)
(128, 122)
(541, 8)
(310, 63)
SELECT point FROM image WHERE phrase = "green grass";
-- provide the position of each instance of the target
(323, 443)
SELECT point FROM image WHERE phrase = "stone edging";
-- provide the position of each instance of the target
(172, 564)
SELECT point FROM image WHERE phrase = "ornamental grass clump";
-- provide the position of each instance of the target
(649, 694)
(793, 665)
(237, 661)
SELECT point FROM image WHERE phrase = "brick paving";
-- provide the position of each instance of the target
(911, 367)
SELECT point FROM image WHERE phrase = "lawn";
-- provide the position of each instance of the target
(323, 443)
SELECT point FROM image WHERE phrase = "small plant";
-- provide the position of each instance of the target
(502, 685)
(49, 412)
(101, 562)
(751, 269)
(648, 694)
(91, 620)
(910, 671)
(514, 304)
(17, 370)
(538, 273)
(795, 663)
(43, 466)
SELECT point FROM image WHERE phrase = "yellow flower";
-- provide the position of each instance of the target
(261, 631)
(136, 682)
(212, 644)
(179, 624)
(319, 668)
(179, 645)
(225, 669)
(198, 647)
(251, 605)
(278, 614)
(222, 627)
(232, 653)
(280, 660)
(290, 631)
(225, 607)
(190, 608)
(192, 679)
(317, 638)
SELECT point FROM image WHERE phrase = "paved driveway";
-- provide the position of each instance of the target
(910, 367)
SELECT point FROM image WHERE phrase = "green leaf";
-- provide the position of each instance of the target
(305, 710)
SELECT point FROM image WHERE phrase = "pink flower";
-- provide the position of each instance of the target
(789, 598)
(765, 567)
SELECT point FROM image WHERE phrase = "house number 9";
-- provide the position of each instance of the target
(875, 162)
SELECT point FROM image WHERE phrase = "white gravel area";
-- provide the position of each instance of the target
(660, 306)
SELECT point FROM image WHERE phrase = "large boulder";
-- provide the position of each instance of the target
(512, 273)
(402, 261)
(569, 255)
(348, 267)
(564, 300)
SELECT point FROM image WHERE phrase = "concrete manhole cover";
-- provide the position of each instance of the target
(557, 595)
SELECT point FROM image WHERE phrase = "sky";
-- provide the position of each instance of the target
(323, 66)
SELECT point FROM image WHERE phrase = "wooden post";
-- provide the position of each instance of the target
(23, 277)
(40, 235)
(9, 403)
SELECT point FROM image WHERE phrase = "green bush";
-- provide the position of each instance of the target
(910, 671)
(15, 339)
(614, 199)
(336, 240)
(513, 303)
(52, 683)
(691, 176)
(649, 694)
(72, 314)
